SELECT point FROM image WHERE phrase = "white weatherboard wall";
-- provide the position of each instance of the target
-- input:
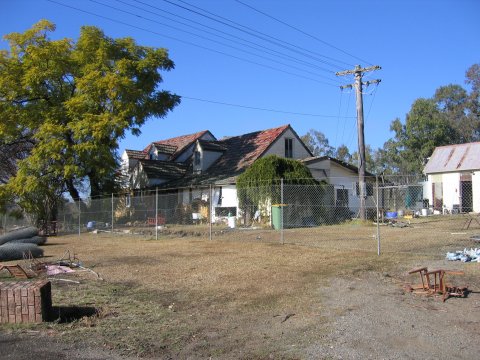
(229, 196)
(476, 191)
(207, 158)
(278, 147)
(339, 176)
(451, 190)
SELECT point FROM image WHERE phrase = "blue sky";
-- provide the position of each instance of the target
(420, 46)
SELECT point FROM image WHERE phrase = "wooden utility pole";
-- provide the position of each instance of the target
(358, 72)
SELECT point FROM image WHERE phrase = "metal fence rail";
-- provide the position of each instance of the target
(403, 214)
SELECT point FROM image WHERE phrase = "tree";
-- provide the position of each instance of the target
(317, 143)
(454, 102)
(372, 158)
(73, 101)
(473, 105)
(343, 154)
(425, 128)
(473, 79)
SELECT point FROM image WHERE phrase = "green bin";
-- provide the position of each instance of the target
(277, 216)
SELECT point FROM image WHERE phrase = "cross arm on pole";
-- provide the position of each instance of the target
(357, 70)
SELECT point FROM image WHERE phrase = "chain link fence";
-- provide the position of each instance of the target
(397, 214)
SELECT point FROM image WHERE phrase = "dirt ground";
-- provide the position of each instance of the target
(190, 298)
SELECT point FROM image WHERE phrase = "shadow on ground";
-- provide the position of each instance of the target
(67, 314)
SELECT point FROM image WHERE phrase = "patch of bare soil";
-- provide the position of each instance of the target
(371, 317)
(188, 298)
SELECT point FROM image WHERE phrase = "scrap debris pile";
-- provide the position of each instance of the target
(55, 270)
(17, 244)
(68, 264)
(466, 255)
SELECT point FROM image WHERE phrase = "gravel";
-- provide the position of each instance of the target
(373, 318)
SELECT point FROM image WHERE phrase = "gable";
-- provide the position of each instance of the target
(179, 148)
(334, 167)
(299, 150)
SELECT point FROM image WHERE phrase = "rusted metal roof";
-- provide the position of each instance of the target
(454, 158)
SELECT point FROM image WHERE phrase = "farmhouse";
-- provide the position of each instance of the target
(344, 178)
(453, 178)
(191, 163)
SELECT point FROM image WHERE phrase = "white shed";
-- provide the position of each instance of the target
(453, 178)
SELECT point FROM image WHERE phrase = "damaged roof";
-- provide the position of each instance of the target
(170, 170)
(136, 154)
(240, 152)
(454, 158)
(179, 143)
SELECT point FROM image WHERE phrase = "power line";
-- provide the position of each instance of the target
(261, 109)
(371, 103)
(345, 117)
(338, 117)
(206, 38)
(189, 43)
(305, 33)
(255, 46)
(253, 32)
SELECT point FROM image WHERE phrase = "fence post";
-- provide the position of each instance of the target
(79, 218)
(378, 219)
(281, 212)
(156, 213)
(210, 222)
(112, 213)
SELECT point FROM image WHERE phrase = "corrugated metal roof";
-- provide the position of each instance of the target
(454, 158)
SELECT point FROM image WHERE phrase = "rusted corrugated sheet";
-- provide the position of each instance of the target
(454, 158)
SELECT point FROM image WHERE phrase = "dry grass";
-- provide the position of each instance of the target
(242, 296)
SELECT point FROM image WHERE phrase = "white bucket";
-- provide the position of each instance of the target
(231, 222)
(424, 212)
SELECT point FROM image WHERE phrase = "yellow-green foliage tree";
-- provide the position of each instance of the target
(71, 102)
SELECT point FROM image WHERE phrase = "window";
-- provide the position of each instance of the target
(342, 197)
(368, 189)
(196, 160)
(289, 148)
(225, 211)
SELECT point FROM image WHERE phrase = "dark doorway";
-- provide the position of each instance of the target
(467, 196)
